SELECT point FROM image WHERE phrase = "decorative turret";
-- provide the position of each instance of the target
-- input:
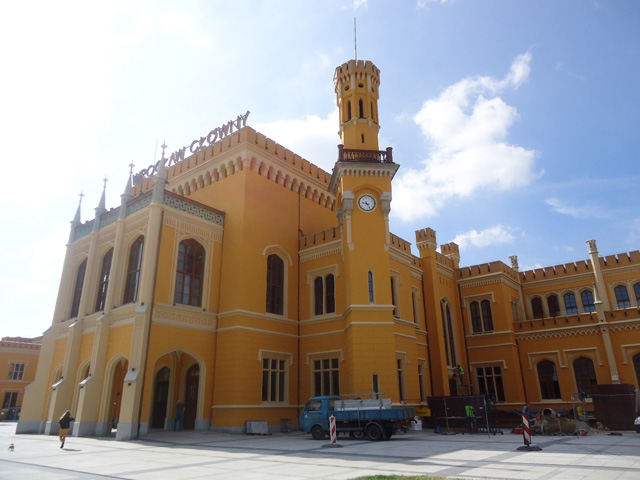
(451, 250)
(77, 220)
(426, 239)
(101, 208)
(356, 85)
(159, 179)
(128, 193)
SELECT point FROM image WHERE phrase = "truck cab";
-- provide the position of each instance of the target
(315, 416)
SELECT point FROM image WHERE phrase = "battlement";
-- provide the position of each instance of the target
(319, 238)
(620, 259)
(451, 250)
(235, 139)
(486, 269)
(562, 270)
(400, 243)
(440, 258)
(426, 239)
(359, 68)
(21, 342)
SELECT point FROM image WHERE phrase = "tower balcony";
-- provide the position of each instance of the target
(365, 156)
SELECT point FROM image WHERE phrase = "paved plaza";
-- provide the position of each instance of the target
(195, 455)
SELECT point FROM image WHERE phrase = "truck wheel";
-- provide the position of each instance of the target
(374, 433)
(317, 433)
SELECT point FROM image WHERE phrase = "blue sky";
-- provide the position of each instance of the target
(515, 122)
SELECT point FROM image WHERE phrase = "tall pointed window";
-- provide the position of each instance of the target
(536, 308)
(636, 289)
(330, 294)
(394, 296)
(481, 316)
(585, 374)
(77, 290)
(189, 273)
(622, 296)
(370, 280)
(275, 285)
(587, 301)
(548, 378)
(570, 304)
(133, 271)
(449, 335)
(361, 107)
(318, 287)
(554, 306)
(105, 271)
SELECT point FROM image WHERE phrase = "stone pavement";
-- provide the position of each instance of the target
(295, 455)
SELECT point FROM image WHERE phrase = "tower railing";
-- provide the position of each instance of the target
(365, 156)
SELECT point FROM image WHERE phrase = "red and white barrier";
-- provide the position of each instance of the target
(332, 430)
(526, 430)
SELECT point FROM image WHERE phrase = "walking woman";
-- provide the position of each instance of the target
(65, 423)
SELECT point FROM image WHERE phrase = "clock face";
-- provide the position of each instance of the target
(367, 203)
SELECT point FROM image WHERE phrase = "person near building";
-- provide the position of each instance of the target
(65, 425)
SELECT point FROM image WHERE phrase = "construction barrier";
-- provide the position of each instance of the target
(332, 430)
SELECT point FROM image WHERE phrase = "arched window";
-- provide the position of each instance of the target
(636, 289)
(622, 296)
(103, 284)
(361, 107)
(77, 289)
(348, 111)
(133, 271)
(587, 301)
(585, 374)
(189, 273)
(554, 306)
(487, 318)
(330, 294)
(449, 336)
(370, 280)
(570, 304)
(394, 296)
(548, 378)
(476, 320)
(318, 288)
(275, 284)
(536, 307)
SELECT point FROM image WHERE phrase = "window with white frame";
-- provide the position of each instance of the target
(490, 382)
(481, 316)
(324, 294)
(274, 376)
(622, 296)
(414, 304)
(422, 381)
(570, 304)
(326, 376)
(16, 370)
(10, 400)
(587, 301)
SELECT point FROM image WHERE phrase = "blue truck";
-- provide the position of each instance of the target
(373, 418)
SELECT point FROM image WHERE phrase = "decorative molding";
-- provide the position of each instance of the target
(551, 353)
(560, 333)
(550, 282)
(490, 363)
(323, 355)
(206, 232)
(272, 353)
(571, 353)
(629, 351)
(325, 250)
(256, 330)
(490, 279)
(610, 272)
(494, 345)
(262, 316)
(178, 316)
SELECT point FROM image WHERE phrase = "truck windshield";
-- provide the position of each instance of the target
(314, 406)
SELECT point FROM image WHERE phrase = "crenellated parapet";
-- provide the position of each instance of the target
(558, 271)
(217, 162)
(488, 269)
(451, 250)
(426, 239)
(356, 70)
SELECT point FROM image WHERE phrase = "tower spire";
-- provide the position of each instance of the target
(102, 204)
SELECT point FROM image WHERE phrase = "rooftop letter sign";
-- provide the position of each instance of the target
(197, 145)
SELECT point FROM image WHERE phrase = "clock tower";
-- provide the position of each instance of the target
(361, 182)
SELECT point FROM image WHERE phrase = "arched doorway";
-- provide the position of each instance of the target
(160, 398)
(117, 384)
(191, 397)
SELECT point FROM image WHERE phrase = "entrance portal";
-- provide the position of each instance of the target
(191, 397)
(160, 398)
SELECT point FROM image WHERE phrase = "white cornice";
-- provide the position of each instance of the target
(319, 251)
(548, 282)
(489, 279)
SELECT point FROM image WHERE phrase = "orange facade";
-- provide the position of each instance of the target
(18, 362)
(243, 279)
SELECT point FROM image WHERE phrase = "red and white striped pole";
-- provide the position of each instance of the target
(526, 432)
(332, 430)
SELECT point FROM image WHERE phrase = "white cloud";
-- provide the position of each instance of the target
(586, 211)
(424, 3)
(311, 137)
(468, 125)
(495, 235)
